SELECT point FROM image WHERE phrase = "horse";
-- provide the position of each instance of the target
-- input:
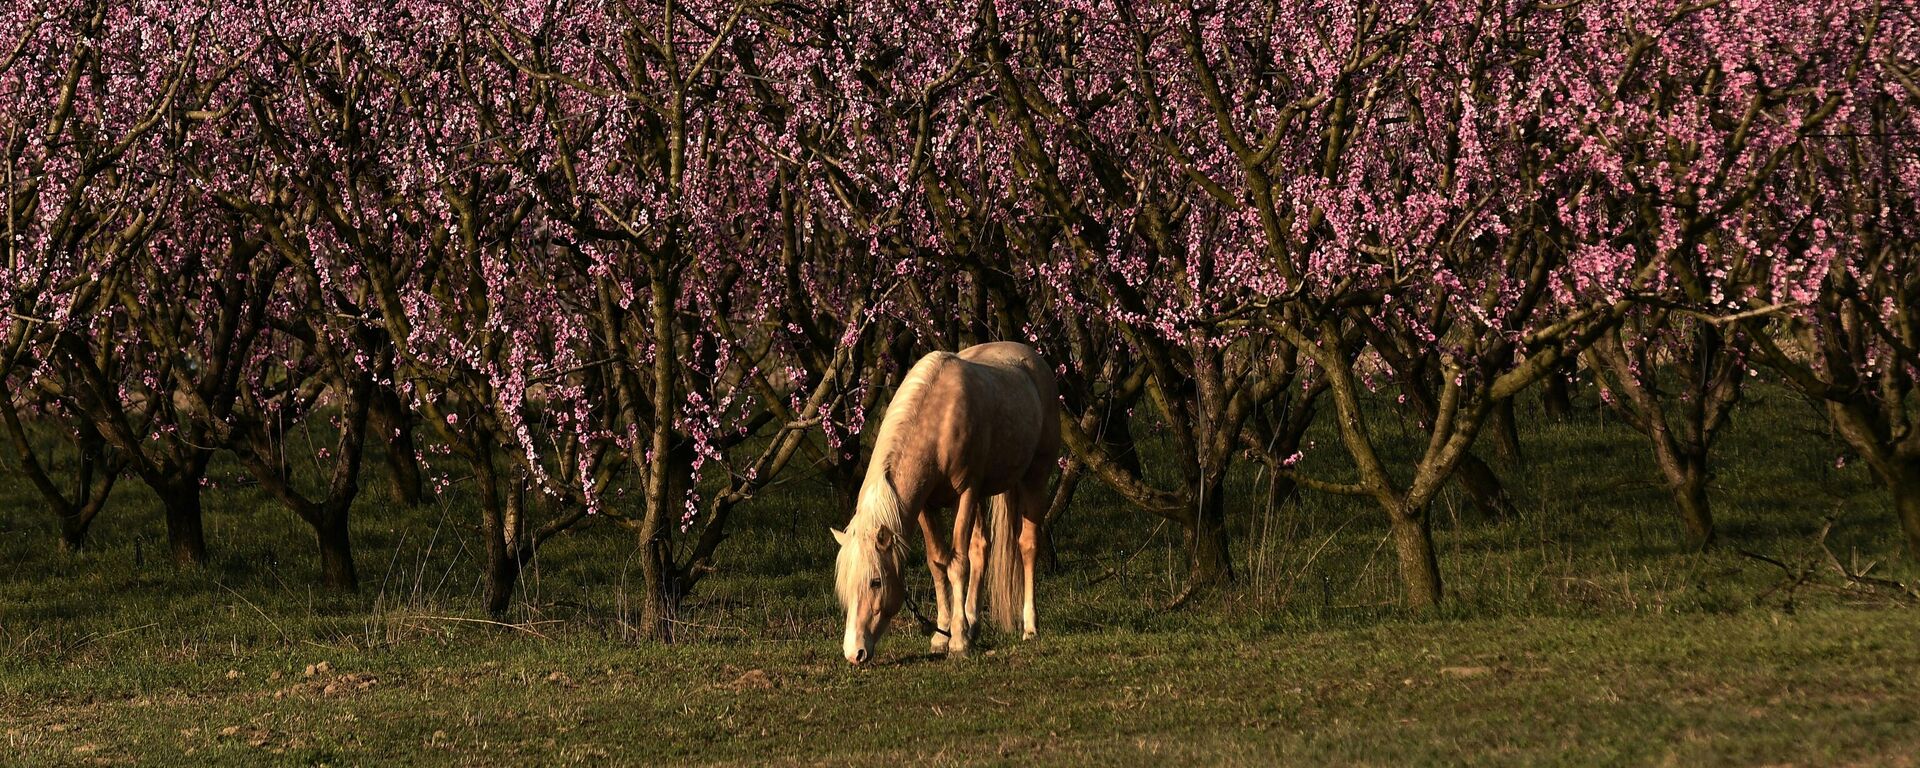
(975, 430)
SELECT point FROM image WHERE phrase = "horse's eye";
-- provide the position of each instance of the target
(875, 584)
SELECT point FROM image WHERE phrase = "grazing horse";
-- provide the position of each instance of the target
(978, 432)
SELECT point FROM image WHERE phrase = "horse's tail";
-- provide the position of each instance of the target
(1005, 577)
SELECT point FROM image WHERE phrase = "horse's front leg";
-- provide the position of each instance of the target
(937, 558)
(960, 625)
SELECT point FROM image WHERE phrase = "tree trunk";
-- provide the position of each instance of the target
(1211, 561)
(1689, 484)
(655, 567)
(74, 527)
(503, 570)
(95, 473)
(1556, 397)
(656, 556)
(1116, 432)
(1280, 489)
(1047, 558)
(1506, 433)
(1419, 565)
(73, 533)
(1483, 487)
(402, 456)
(1285, 438)
(503, 562)
(845, 477)
(1906, 501)
(336, 553)
(1901, 472)
(1683, 463)
(186, 539)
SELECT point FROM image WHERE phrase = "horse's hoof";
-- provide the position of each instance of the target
(1028, 635)
(956, 651)
(938, 646)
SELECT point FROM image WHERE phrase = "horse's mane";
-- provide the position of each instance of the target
(879, 505)
(879, 502)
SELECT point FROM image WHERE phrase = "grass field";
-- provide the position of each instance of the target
(1574, 633)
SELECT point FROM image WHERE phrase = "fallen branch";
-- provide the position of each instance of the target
(1861, 578)
(1793, 580)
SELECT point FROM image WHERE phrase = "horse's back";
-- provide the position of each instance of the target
(1013, 354)
(1004, 367)
(1014, 389)
(985, 418)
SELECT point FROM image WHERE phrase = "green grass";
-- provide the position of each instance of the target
(1573, 633)
(1823, 687)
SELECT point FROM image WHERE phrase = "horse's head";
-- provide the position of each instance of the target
(867, 581)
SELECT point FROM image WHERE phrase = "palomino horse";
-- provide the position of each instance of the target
(977, 430)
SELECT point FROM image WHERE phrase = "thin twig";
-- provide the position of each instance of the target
(527, 627)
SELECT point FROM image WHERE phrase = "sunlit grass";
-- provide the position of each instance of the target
(1576, 631)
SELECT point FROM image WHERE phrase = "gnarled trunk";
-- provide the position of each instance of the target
(402, 456)
(1419, 564)
(1207, 543)
(73, 532)
(76, 520)
(1687, 480)
(500, 514)
(657, 574)
(74, 526)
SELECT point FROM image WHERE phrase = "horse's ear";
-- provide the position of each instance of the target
(839, 536)
(884, 538)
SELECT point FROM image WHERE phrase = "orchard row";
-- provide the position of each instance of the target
(639, 259)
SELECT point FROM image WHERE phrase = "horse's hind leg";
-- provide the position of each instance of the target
(976, 568)
(937, 557)
(1033, 506)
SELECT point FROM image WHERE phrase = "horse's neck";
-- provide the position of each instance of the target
(896, 473)
(890, 495)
